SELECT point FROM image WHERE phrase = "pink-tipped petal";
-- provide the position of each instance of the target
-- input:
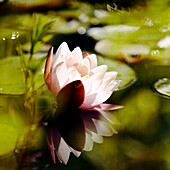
(50, 144)
(105, 106)
(85, 54)
(48, 64)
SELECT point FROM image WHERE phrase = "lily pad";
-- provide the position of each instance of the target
(112, 32)
(8, 136)
(12, 79)
(110, 48)
(162, 86)
(125, 73)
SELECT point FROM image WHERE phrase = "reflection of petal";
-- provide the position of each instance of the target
(76, 153)
(89, 142)
(61, 148)
(49, 139)
(87, 117)
(105, 106)
(97, 138)
(71, 128)
(103, 128)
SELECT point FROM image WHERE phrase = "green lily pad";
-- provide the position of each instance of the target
(12, 79)
(110, 48)
(125, 73)
(162, 86)
(8, 136)
(112, 32)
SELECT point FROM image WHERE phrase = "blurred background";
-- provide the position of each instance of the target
(131, 37)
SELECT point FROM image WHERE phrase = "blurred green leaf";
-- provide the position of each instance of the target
(8, 136)
(37, 46)
(140, 113)
(12, 81)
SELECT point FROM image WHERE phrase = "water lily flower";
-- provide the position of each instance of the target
(80, 88)
(67, 67)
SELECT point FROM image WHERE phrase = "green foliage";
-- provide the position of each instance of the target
(12, 81)
(40, 27)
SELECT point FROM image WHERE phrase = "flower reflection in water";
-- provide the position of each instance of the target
(80, 88)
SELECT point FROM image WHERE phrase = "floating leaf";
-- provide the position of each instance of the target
(162, 86)
(8, 136)
(125, 73)
(112, 32)
(12, 79)
(111, 49)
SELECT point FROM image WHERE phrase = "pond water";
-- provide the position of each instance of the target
(133, 40)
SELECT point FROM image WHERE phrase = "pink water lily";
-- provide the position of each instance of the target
(80, 88)
(67, 67)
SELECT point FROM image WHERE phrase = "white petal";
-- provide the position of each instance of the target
(73, 75)
(58, 78)
(97, 138)
(96, 82)
(99, 70)
(107, 115)
(87, 84)
(62, 149)
(93, 60)
(104, 93)
(77, 54)
(76, 153)
(61, 54)
(103, 128)
(84, 67)
(111, 75)
(89, 142)
(88, 101)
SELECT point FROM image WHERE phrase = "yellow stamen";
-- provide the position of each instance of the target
(87, 76)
